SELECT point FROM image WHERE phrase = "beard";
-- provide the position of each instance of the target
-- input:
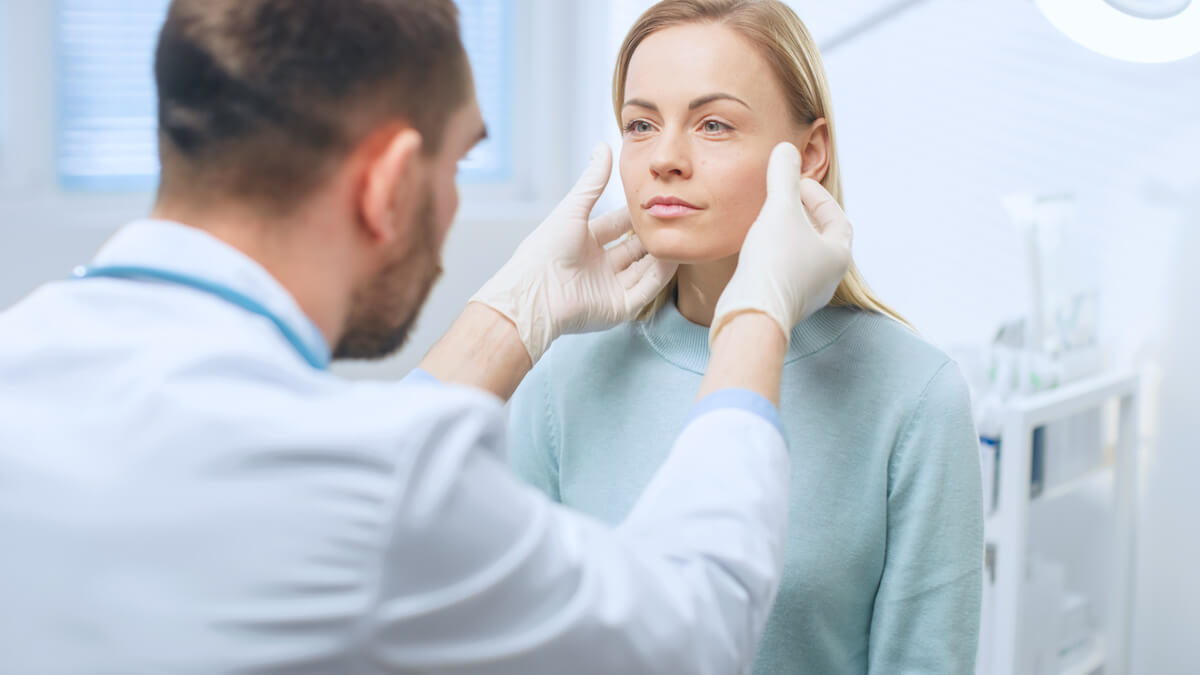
(384, 311)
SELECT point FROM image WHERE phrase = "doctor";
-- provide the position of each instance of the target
(185, 488)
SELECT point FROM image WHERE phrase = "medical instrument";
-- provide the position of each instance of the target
(140, 273)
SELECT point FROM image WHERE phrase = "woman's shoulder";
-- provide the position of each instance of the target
(885, 371)
(890, 356)
(900, 346)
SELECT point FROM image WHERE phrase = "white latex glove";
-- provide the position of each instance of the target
(788, 269)
(562, 279)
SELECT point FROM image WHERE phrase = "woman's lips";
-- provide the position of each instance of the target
(669, 206)
(671, 210)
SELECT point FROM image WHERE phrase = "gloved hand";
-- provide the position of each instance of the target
(788, 269)
(562, 279)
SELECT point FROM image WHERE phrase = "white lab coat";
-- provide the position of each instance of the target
(180, 492)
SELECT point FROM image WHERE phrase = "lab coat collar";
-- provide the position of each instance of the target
(163, 244)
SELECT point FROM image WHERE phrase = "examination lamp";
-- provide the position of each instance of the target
(1142, 31)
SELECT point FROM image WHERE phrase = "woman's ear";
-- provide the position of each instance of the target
(391, 180)
(815, 150)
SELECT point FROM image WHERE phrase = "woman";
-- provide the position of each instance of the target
(883, 559)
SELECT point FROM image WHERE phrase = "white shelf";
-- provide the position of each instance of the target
(1007, 529)
(1090, 477)
(1075, 397)
(1090, 664)
(1071, 485)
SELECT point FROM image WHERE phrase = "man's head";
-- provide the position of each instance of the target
(339, 121)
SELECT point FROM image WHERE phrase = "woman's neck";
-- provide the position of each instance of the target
(700, 285)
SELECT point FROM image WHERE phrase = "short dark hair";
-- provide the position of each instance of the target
(258, 99)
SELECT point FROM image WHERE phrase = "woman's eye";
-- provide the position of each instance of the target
(715, 127)
(638, 127)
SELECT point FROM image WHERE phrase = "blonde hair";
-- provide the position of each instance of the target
(793, 55)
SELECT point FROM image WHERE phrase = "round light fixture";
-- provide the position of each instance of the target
(1150, 9)
(1143, 31)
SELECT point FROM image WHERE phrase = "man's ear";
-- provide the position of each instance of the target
(815, 150)
(391, 181)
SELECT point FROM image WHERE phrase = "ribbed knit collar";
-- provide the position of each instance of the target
(685, 344)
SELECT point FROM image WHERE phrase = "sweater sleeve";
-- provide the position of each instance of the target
(926, 614)
(533, 441)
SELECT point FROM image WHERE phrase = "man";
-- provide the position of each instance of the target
(184, 488)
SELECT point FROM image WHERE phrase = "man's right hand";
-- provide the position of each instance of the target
(564, 278)
(795, 253)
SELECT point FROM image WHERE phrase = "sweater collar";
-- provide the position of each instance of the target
(685, 344)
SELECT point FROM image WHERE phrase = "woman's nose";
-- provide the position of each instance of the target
(671, 157)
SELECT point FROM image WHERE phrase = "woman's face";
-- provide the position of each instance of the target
(702, 112)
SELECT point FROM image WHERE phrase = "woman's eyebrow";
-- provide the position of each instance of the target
(641, 103)
(703, 100)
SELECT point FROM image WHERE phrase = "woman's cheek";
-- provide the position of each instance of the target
(630, 186)
(625, 168)
(743, 200)
(751, 182)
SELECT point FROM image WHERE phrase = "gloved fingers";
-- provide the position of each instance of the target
(826, 215)
(783, 171)
(625, 254)
(635, 270)
(653, 278)
(611, 226)
(579, 201)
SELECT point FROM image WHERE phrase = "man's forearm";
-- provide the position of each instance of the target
(482, 350)
(747, 354)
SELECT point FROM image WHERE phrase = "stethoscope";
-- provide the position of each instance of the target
(139, 273)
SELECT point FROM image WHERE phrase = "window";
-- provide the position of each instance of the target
(3, 87)
(106, 103)
(106, 138)
(487, 29)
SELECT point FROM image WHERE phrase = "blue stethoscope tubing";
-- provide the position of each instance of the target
(237, 298)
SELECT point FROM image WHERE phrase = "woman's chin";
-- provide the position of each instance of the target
(684, 245)
(673, 250)
(670, 246)
(674, 255)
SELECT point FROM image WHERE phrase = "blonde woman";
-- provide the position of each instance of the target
(883, 558)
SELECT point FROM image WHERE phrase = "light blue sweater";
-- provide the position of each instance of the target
(883, 566)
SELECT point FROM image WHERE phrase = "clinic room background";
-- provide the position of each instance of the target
(1029, 204)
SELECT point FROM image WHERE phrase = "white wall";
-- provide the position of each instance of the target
(44, 233)
(1167, 616)
(941, 111)
(952, 105)
(944, 108)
